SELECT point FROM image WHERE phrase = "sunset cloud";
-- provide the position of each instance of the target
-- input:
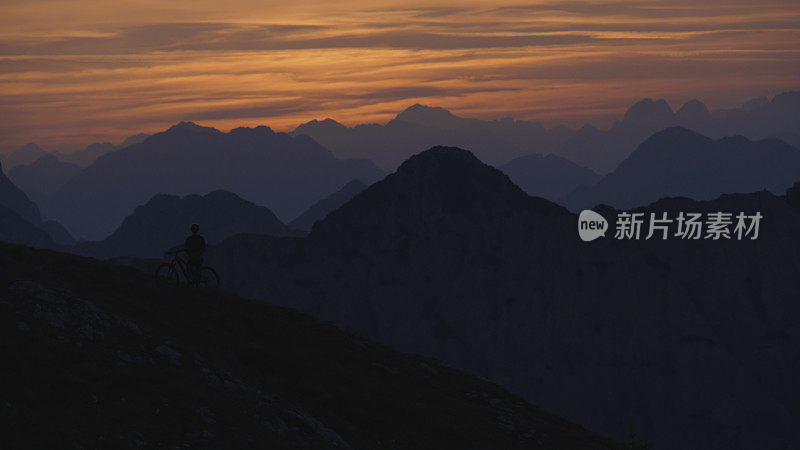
(72, 73)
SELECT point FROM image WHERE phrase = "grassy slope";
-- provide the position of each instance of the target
(99, 355)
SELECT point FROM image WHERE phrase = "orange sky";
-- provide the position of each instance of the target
(89, 70)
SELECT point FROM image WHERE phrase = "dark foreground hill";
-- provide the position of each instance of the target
(689, 344)
(98, 356)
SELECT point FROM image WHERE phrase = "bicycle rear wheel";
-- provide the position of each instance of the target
(209, 278)
(167, 274)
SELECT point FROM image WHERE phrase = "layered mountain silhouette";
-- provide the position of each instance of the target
(15, 229)
(163, 223)
(88, 155)
(680, 162)
(548, 176)
(29, 153)
(419, 127)
(286, 174)
(26, 154)
(318, 211)
(21, 221)
(58, 234)
(792, 139)
(40, 174)
(13, 198)
(603, 150)
(499, 141)
(687, 344)
(43, 177)
(106, 357)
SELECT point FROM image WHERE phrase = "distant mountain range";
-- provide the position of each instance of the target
(13, 198)
(497, 142)
(163, 223)
(681, 162)
(21, 222)
(318, 211)
(602, 150)
(40, 174)
(29, 153)
(284, 173)
(548, 176)
(26, 154)
(17, 230)
(43, 177)
(420, 127)
(686, 344)
(86, 157)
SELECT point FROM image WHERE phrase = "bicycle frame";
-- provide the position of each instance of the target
(181, 264)
(180, 268)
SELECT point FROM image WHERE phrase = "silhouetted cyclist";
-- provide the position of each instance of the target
(195, 245)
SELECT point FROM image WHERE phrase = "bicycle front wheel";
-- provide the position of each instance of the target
(209, 278)
(167, 274)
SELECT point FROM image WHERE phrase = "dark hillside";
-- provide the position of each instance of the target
(98, 355)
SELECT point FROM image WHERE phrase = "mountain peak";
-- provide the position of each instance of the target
(135, 139)
(434, 189)
(312, 126)
(676, 134)
(454, 166)
(693, 110)
(30, 146)
(330, 122)
(755, 103)
(185, 125)
(588, 129)
(48, 159)
(191, 127)
(26, 154)
(440, 155)
(261, 130)
(667, 147)
(648, 110)
(163, 221)
(428, 116)
(787, 99)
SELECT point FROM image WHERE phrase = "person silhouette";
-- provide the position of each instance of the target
(195, 245)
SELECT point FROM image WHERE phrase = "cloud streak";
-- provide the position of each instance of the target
(92, 70)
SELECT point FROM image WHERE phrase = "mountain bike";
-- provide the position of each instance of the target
(178, 272)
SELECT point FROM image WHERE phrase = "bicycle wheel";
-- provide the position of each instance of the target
(167, 274)
(209, 278)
